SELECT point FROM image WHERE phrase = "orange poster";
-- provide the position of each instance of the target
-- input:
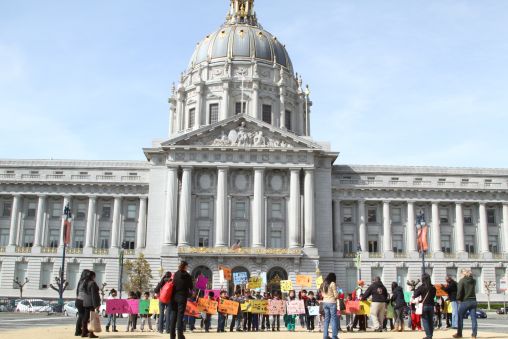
(227, 272)
(228, 307)
(304, 280)
(439, 291)
(207, 305)
(192, 309)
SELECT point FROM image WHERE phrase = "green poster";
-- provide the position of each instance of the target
(144, 305)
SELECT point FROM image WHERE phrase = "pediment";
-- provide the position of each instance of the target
(244, 132)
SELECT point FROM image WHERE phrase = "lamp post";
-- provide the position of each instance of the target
(125, 246)
(421, 227)
(61, 283)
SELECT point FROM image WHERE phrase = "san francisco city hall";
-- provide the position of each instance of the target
(240, 169)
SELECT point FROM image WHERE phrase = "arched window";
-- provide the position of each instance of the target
(273, 277)
(204, 271)
(231, 285)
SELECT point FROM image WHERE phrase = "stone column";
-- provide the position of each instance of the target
(338, 227)
(258, 215)
(90, 222)
(171, 216)
(224, 112)
(185, 208)
(198, 116)
(387, 229)
(294, 208)
(310, 229)
(66, 201)
(115, 226)
(180, 114)
(39, 223)
(282, 114)
(221, 212)
(255, 111)
(141, 230)
(483, 230)
(459, 229)
(13, 232)
(505, 227)
(435, 229)
(362, 228)
(411, 228)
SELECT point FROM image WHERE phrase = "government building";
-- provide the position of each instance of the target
(240, 182)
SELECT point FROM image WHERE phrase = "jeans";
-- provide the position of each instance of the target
(237, 320)
(428, 320)
(164, 313)
(467, 305)
(81, 315)
(221, 323)
(398, 318)
(177, 306)
(455, 313)
(330, 310)
(111, 320)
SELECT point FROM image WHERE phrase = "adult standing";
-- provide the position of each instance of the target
(79, 304)
(451, 289)
(399, 304)
(427, 293)
(91, 301)
(466, 295)
(181, 291)
(329, 292)
(164, 311)
(378, 307)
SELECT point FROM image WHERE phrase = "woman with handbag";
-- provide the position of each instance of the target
(164, 311)
(79, 304)
(91, 303)
(427, 293)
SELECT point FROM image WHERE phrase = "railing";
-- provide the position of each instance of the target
(469, 184)
(20, 249)
(422, 183)
(131, 178)
(498, 255)
(49, 250)
(240, 251)
(105, 177)
(492, 184)
(71, 250)
(2, 249)
(129, 252)
(375, 255)
(30, 176)
(55, 176)
(350, 255)
(474, 255)
(7, 176)
(397, 183)
(449, 255)
(400, 255)
(101, 251)
(80, 177)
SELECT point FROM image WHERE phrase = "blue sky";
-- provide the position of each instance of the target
(393, 82)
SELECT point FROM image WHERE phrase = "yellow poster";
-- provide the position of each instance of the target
(286, 285)
(245, 306)
(259, 306)
(154, 306)
(304, 280)
(364, 308)
(255, 282)
(319, 281)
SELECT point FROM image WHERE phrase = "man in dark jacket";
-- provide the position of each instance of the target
(466, 295)
(451, 289)
(378, 307)
(181, 291)
(164, 310)
(399, 303)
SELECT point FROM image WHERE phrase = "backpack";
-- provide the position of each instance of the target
(166, 292)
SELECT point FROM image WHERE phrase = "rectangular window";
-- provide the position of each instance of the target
(277, 210)
(398, 243)
(4, 236)
(240, 210)
(402, 277)
(469, 242)
(396, 215)
(376, 272)
(373, 248)
(28, 237)
(239, 108)
(79, 238)
(72, 275)
(7, 209)
(104, 236)
(477, 274)
(54, 237)
(443, 215)
(446, 243)
(468, 216)
(491, 216)
(347, 212)
(288, 119)
(276, 239)
(56, 210)
(372, 214)
(204, 209)
(106, 212)
(192, 117)
(204, 238)
(46, 269)
(81, 211)
(131, 212)
(493, 244)
(130, 238)
(348, 244)
(240, 237)
(500, 274)
(32, 207)
(267, 114)
(214, 113)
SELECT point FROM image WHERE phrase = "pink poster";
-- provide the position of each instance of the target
(133, 306)
(117, 306)
(216, 293)
(201, 282)
(296, 307)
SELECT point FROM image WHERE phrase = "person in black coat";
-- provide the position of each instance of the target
(164, 311)
(181, 291)
(451, 289)
(79, 304)
(398, 306)
(427, 293)
(89, 292)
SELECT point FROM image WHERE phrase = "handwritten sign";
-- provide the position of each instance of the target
(276, 307)
(286, 285)
(226, 271)
(133, 306)
(228, 307)
(319, 282)
(352, 306)
(304, 280)
(439, 291)
(201, 282)
(117, 306)
(144, 306)
(245, 306)
(216, 293)
(154, 306)
(240, 278)
(259, 306)
(313, 310)
(296, 307)
(207, 305)
(364, 308)
(191, 309)
(255, 282)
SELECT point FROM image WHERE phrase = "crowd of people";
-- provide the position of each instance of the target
(388, 311)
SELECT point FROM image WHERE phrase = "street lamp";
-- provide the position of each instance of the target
(125, 246)
(421, 226)
(61, 283)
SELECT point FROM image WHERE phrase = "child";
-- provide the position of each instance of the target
(265, 319)
(145, 317)
(255, 316)
(276, 317)
(311, 301)
(291, 318)
(189, 320)
(238, 317)
(247, 316)
(208, 317)
(112, 317)
(222, 316)
(131, 323)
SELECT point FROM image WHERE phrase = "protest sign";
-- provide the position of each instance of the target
(117, 306)
(319, 282)
(364, 308)
(313, 310)
(216, 293)
(245, 306)
(207, 305)
(226, 271)
(240, 278)
(154, 306)
(133, 306)
(304, 280)
(191, 310)
(439, 291)
(286, 285)
(276, 307)
(144, 306)
(228, 307)
(352, 306)
(255, 282)
(201, 282)
(295, 307)
(259, 306)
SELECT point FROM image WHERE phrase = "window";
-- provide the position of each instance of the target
(373, 244)
(267, 114)
(34, 172)
(240, 210)
(204, 209)
(395, 179)
(79, 238)
(32, 207)
(192, 117)
(7, 209)
(104, 239)
(203, 240)
(441, 180)
(396, 215)
(73, 274)
(214, 113)
(28, 237)
(491, 216)
(130, 237)
(402, 277)
(398, 243)
(468, 216)
(500, 274)
(240, 237)
(348, 244)
(277, 210)
(276, 239)
(4, 236)
(56, 210)
(131, 212)
(287, 117)
(347, 212)
(376, 272)
(81, 211)
(469, 242)
(106, 212)
(477, 274)
(239, 108)
(108, 174)
(446, 243)
(46, 269)
(493, 244)
(371, 214)
(83, 173)
(443, 215)
(53, 238)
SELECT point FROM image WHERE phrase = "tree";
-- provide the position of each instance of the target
(139, 274)
(21, 285)
(489, 287)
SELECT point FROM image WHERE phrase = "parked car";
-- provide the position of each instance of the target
(33, 305)
(502, 310)
(480, 314)
(70, 309)
(7, 305)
